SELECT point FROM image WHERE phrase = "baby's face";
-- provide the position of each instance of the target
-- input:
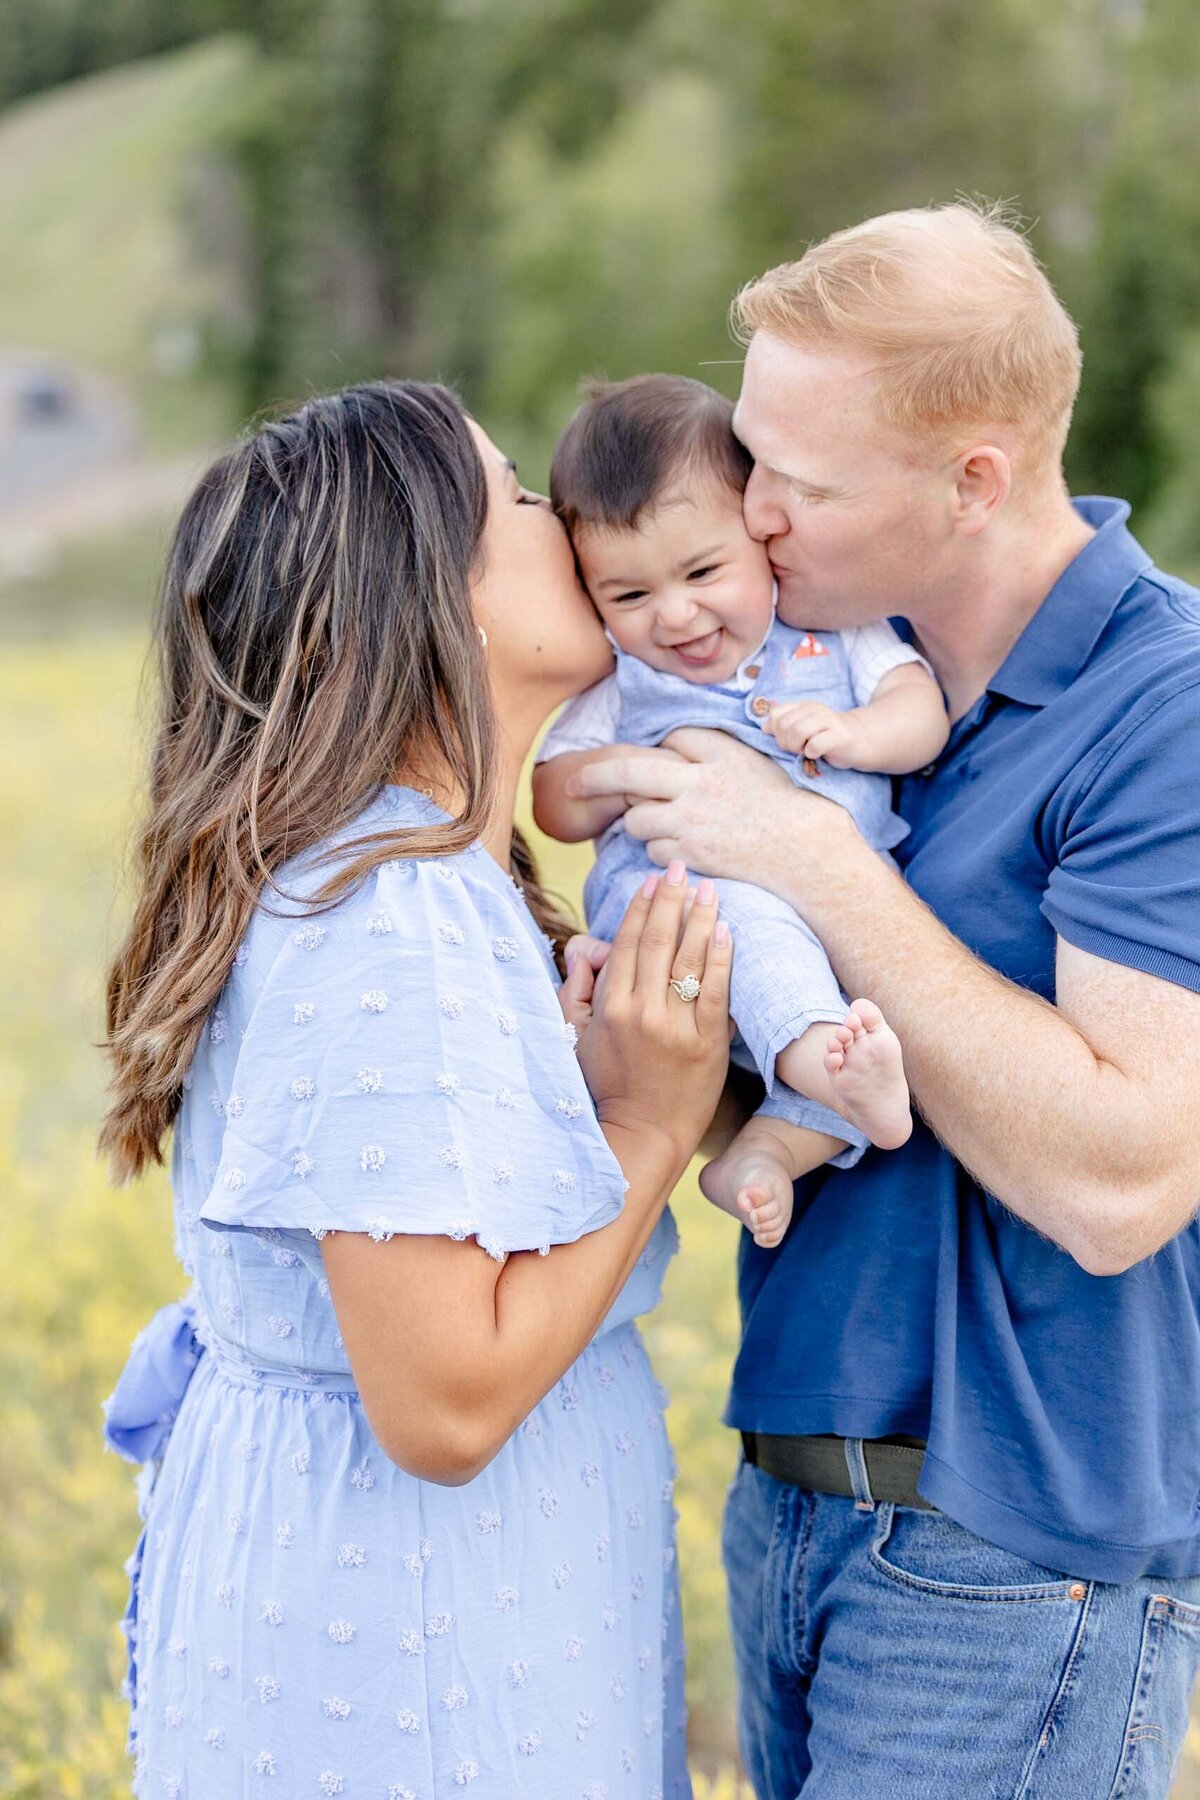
(689, 590)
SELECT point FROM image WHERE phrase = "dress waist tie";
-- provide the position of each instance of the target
(138, 1416)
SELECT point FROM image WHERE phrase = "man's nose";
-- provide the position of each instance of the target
(764, 517)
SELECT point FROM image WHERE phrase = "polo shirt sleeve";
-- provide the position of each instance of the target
(1127, 882)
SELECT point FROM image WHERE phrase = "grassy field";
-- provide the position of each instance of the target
(85, 1265)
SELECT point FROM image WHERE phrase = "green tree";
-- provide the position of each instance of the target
(1131, 435)
(373, 170)
(50, 41)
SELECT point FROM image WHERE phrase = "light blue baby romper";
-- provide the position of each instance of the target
(306, 1619)
(782, 982)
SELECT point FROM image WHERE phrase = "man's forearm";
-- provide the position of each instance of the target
(1014, 1090)
(1082, 1117)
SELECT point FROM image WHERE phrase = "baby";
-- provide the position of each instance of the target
(648, 479)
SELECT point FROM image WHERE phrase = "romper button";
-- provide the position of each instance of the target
(1077, 1591)
(760, 707)
(754, 670)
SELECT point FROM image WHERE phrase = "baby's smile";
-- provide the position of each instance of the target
(700, 652)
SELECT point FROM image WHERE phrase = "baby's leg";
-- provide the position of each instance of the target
(612, 881)
(857, 1069)
(782, 989)
(752, 1180)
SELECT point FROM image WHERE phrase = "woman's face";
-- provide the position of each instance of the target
(544, 641)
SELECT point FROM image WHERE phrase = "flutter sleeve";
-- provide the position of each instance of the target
(404, 1068)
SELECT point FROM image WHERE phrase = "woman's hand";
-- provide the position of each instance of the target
(451, 1348)
(653, 1061)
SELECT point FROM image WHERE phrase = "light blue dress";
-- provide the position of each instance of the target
(306, 1619)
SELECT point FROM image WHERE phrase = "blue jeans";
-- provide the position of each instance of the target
(884, 1653)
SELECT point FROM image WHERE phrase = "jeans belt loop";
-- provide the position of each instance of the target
(860, 1480)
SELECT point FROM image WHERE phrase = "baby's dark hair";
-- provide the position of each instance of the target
(629, 438)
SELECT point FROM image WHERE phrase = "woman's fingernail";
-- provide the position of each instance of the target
(676, 872)
(571, 955)
(650, 886)
(569, 787)
(721, 933)
(706, 893)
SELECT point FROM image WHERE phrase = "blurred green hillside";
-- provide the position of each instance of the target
(510, 196)
(107, 188)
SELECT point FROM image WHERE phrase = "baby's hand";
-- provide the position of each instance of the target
(807, 728)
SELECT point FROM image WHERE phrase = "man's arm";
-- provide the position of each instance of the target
(1084, 1118)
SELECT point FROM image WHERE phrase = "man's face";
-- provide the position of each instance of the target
(856, 527)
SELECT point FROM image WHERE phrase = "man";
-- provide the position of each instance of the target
(964, 1547)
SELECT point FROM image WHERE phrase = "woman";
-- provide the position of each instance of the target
(411, 1532)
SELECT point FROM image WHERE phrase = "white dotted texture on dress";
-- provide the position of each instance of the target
(559, 1586)
(497, 1142)
(429, 963)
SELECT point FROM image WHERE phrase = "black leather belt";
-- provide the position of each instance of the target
(819, 1463)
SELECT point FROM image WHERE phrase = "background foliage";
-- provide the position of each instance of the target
(507, 196)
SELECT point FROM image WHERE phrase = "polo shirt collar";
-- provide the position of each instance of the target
(1063, 632)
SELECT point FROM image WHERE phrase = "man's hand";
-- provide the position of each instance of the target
(573, 794)
(724, 808)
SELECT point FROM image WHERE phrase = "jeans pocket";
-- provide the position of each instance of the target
(928, 1553)
(1162, 1687)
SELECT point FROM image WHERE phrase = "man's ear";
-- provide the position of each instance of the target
(983, 477)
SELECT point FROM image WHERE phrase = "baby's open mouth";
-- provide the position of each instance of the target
(699, 652)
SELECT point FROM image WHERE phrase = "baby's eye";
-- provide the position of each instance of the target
(633, 594)
(699, 574)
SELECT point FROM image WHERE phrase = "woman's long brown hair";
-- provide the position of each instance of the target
(314, 633)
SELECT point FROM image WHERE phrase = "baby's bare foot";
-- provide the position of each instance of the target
(866, 1072)
(754, 1185)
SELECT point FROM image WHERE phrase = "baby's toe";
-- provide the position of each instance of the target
(869, 1014)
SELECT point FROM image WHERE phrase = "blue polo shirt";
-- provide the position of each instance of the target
(1061, 1409)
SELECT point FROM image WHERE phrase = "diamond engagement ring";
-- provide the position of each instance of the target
(688, 989)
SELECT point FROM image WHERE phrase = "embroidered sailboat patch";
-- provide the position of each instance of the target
(809, 646)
